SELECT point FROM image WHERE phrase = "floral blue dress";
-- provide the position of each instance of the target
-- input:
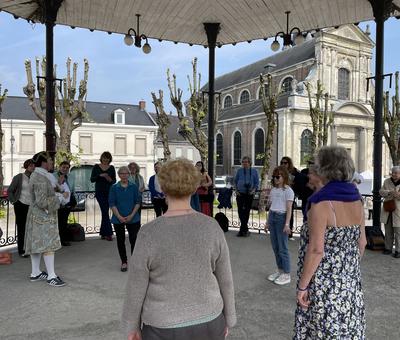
(336, 308)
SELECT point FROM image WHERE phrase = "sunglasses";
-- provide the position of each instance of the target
(276, 177)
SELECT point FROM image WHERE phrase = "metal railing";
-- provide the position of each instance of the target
(88, 214)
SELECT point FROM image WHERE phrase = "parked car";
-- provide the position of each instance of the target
(219, 182)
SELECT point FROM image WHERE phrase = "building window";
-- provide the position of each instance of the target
(190, 154)
(85, 143)
(244, 97)
(27, 142)
(140, 146)
(220, 149)
(343, 84)
(237, 148)
(305, 146)
(286, 87)
(227, 102)
(119, 117)
(120, 145)
(178, 152)
(259, 144)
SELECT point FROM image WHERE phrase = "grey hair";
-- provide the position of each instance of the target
(396, 168)
(334, 164)
(123, 168)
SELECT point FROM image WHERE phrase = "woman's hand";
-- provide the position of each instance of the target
(302, 299)
(266, 227)
(286, 229)
(226, 332)
(122, 219)
(134, 335)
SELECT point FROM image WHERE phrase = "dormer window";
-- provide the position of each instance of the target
(119, 117)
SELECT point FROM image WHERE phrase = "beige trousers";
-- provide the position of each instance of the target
(392, 234)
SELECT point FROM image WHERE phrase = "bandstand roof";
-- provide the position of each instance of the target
(182, 20)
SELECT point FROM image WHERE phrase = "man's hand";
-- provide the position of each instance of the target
(286, 229)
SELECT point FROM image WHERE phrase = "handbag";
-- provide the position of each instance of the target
(389, 205)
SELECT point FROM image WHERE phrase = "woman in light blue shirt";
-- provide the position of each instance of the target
(124, 200)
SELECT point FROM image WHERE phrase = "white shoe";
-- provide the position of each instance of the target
(282, 279)
(274, 276)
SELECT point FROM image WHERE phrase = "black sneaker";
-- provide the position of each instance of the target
(387, 252)
(56, 282)
(41, 277)
(396, 255)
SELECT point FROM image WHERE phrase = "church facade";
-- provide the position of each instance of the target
(340, 58)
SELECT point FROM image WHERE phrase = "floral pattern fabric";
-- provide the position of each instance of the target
(336, 308)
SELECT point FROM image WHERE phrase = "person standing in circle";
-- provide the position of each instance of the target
(41, 232)
(246, 183)
(203, 189)
(20, 196)
(103, 175)
(157, 195)
(281, 199)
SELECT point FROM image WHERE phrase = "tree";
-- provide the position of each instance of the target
(163, 122)
(196, 109)
(2, 99)
(69, 112)
(391, 121)
(320, 120)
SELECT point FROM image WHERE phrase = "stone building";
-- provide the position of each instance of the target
(341, 59)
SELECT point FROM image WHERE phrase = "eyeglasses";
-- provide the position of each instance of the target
(276, 177)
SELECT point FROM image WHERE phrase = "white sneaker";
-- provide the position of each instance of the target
(274, 276)
(282, 279)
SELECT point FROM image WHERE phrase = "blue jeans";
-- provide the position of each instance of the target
(105, 227)
(279, 240)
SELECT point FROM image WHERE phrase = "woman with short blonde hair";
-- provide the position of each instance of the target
(180, 281)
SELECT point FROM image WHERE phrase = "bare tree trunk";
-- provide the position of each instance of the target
(269, 106)
(69, 111)
(2, 99)
(163, 123)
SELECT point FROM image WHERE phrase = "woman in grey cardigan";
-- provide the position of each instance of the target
(20, 196)
(41, 234)
(180, 281)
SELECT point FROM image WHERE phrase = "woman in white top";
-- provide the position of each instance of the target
(281, 200)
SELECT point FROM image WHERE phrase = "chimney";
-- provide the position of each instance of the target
(142, 105)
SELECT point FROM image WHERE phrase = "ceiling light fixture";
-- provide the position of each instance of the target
(287, 37)
(138, 38)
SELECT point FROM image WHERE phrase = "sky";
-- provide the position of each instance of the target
(124, 74)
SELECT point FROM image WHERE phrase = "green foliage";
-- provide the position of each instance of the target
(2, 212)
(72, 219)
(64, 155)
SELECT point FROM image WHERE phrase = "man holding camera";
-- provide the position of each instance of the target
(246, 183)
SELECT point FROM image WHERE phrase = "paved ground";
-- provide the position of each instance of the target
(89, 306)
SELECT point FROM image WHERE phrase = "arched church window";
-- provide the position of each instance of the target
(244, 97)
(227, 102)
(220, 149)
(287, 85)
(237, 148)
(343, 84)
(259, 144)
(305, 146)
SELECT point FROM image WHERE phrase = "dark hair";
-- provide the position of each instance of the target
(40, 157)
(28, 162)
(64, 163)
(290, 167)
(107, 155)
(282, 171)
(203, 169)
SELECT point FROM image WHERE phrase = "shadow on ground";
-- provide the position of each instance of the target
(89, 307)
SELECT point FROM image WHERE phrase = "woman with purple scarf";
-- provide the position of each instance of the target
(330, 301)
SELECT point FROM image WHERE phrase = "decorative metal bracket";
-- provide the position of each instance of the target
(390, 75)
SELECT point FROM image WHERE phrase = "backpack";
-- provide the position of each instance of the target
(222, 221)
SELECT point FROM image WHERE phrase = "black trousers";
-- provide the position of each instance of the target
(244, 202)
(160, 206)
(21, 211)
(212, 330)
(133, 230)
(62, 215)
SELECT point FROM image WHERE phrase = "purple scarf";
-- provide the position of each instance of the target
(336, 191)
